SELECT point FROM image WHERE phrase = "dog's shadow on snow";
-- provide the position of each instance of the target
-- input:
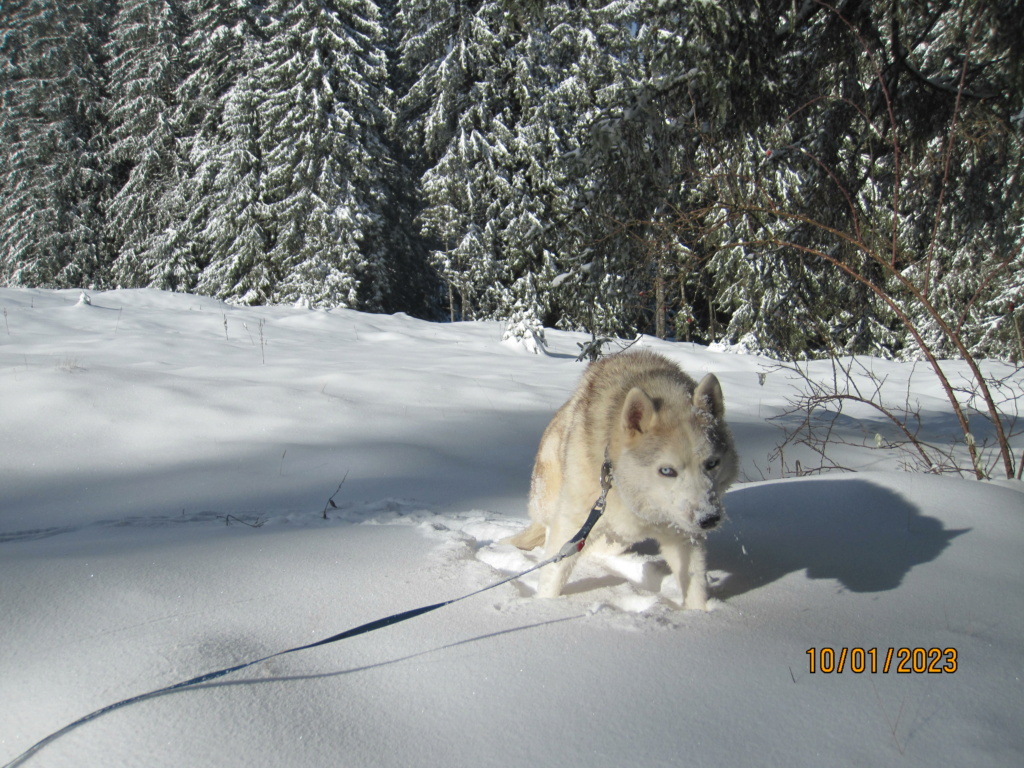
(863, 535)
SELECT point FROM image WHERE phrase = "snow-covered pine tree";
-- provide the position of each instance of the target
(214, 53)
(414, 288)
(960, 206)
(213, 121)
(143, 151)
(499, 106)
(297, 179)
(51, 224)
(482, 193)
(821, 161)
(640, 191)
(444, 49)
(324, 112)
(873, 180)
(235, 238)
(566, 56)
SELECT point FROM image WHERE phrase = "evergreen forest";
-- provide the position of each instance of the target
(799, 177)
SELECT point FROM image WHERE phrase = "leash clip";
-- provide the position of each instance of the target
(606, 474)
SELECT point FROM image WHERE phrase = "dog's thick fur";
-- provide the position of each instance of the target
(672, 458)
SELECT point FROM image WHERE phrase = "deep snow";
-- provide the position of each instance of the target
(138, 430)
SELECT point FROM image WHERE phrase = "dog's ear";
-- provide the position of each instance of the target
(708, 396)
(638, 413)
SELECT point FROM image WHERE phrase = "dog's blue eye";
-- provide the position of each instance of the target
(711, 464)
(667, 472)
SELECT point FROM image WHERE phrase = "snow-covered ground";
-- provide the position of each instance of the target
(165, 461)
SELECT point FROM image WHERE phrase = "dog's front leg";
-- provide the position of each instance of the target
(688, 562)
(554, 577)
(697, 574)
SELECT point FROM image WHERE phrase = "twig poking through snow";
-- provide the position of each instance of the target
(330, 501)
(263, 341)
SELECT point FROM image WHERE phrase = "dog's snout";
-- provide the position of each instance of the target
(710, 521)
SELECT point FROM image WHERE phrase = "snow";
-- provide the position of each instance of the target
(140, 429)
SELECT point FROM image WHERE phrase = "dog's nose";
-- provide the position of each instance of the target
(710, 521)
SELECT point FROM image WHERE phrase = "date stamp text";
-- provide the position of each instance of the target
(904, 661)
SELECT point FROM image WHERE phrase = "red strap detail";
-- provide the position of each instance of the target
(579, 547)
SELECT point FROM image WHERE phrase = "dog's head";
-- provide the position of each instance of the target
(676, 457)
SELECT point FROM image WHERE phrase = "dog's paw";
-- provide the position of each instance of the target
(548, 591)
(552, 581)
(696, 600)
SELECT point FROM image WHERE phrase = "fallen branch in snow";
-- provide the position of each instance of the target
(593, 350)
(258, 524)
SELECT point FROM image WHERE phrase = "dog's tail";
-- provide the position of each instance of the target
(530, 538)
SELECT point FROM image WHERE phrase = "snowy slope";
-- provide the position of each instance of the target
(136, 431)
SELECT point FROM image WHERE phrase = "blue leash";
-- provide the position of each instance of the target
(571, 547)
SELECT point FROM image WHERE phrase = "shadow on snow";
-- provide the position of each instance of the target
(863, 535)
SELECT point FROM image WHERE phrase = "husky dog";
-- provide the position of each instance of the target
(671, 454)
